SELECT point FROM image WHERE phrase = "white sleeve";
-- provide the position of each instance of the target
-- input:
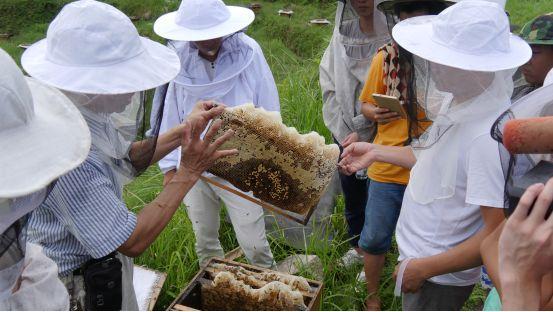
(266, 93)
(485, 181)
(170, 119)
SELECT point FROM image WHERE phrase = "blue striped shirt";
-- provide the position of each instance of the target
(84, 216)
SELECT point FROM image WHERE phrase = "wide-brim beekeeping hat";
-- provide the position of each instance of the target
(199, 20)
(472, 35)
(42, 134)
(92, 47)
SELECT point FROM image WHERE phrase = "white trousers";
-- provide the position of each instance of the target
(203, 204)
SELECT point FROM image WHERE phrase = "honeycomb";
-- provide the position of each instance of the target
(280, 166)
(235, 288)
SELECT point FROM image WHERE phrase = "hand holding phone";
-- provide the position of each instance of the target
(391, 103)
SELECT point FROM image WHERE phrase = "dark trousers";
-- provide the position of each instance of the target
(355, 197)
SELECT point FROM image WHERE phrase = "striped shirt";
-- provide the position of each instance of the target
(84, 217)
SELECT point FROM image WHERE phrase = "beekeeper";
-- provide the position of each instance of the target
(218, 62)
(93, 53)
(43, 136)
(455, 196)
(360, 29)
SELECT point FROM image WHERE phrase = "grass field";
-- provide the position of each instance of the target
(293, 50)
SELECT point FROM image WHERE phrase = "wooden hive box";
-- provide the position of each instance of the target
(191, 298)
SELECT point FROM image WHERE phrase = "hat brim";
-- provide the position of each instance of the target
(388, 6)
(55, 141)
(155, 66)
(415, 35)
(166, 27)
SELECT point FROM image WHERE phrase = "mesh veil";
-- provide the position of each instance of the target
(117, 123)
(434, 7)
(453, 99)
(14, 214)
(358, 45)
(409, 70)
(536, 104)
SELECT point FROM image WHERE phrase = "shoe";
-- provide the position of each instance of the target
(351, 258)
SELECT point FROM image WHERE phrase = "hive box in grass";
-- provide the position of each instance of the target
(147, 286)
(225, 285)
(284, 169)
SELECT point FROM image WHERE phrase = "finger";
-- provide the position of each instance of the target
(348, 150)
(224, 153)
(196, 130)
(351, 169)
(342, 170)
(345, 142)
(215, 126)
(213, 112)
(345, 161)
(220, 141)
(526, 201)
(186, 132)
(386, 115)
(542, 203)
(381, 110)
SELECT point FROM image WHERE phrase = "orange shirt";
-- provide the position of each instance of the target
(394, 133)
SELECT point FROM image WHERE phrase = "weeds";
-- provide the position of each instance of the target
(293, 49)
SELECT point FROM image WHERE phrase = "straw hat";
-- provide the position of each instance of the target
(198, 20)
(91, 47)
(472, 35)
(42, 134)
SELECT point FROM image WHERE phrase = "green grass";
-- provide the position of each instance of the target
(293, 50)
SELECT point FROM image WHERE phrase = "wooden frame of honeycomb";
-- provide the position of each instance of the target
(287, 172)
(201, 295)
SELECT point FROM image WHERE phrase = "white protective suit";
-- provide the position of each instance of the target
(23, 266)
(241, 75)
(343, 71)
(41, 288)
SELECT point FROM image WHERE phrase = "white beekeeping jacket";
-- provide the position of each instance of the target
(242, 75)
(41, 288)
(343, 71)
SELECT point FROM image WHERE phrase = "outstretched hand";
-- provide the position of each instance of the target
(197, 154)
(526, 247)
(357, 156)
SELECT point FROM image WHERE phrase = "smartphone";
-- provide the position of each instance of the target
(390, 102)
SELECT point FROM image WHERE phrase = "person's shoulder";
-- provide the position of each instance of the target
(90, 168)
(245, 39)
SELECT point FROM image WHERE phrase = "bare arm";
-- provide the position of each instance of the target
(197, 156)
(361, 155)
(462, 257)
(489, 249)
